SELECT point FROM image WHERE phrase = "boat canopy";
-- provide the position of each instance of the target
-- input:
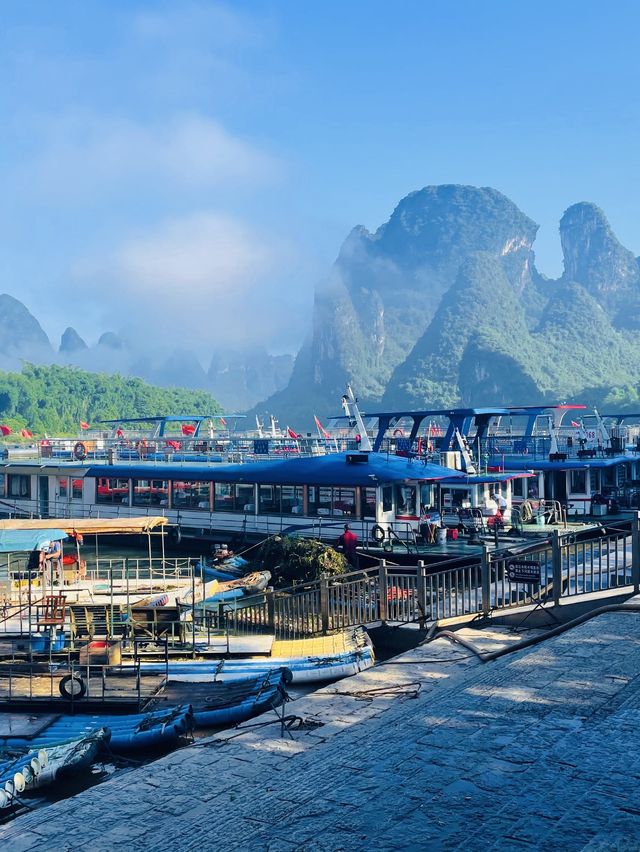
(527, 463)
(84, 526)
(24, 541)
(346, 469)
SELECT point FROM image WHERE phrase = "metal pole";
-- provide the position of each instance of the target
(324, 604)
(635, 552)
(556, 557)
(485, 576)
(193, 613)
(382, 590)
(421, 579)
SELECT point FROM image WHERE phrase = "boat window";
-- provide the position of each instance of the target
(609, 475)
(112, 490)
(387, 498)
(578, 479)
(223, 493)
(245, 498)
(405, 500)
(517, 487)
(190, 495)
(19, 486)
(427, 499)
(269, 499)
(150, 492)
(76, 489)
(63, 487)
(594, 481)
(292, 501)
(344, 501)
(368, 502)
(2, 484)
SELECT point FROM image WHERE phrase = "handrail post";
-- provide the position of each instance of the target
(556, 562)
(421, 579)
(271, 610)
(635, 552)
(485, 577)
(324, 605)
(383, 592)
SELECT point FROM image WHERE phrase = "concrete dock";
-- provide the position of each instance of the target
(433, 749)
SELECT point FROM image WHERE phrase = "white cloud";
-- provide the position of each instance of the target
(83, 154)
(205, 255)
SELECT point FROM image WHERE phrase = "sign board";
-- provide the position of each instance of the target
(522, 571)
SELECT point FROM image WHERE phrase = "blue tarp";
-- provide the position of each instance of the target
(332, 469)
(24, 541)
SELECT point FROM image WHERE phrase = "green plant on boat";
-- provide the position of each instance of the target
(294, 560)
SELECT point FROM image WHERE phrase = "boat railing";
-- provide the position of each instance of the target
(70, 683)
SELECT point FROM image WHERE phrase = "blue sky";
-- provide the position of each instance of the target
(191, 168)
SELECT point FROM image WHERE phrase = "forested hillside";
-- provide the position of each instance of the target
(55, 399)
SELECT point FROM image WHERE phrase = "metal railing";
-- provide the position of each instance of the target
(567, 569)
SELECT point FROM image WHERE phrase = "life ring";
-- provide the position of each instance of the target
(72, 687)
(176, 535)
(398, 433)
(80, 451)
(377, 533)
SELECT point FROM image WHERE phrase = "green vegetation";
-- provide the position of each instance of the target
(299, 560)
(55, 399)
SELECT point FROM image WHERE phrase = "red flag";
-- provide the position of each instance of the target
(292, 434)
(119, 433)
(573, 423)
(84, 425)
(175, 445)
(320, 427)
(188, 429)
(223, 421)
(26, 433)
(5, 431)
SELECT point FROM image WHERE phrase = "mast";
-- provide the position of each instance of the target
(350, 406)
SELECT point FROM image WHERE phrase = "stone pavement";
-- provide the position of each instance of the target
(536, 750)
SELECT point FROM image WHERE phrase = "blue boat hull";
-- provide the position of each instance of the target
(144, 730)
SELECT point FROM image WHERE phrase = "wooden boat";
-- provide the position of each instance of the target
(161, 728)
(217, 591)
(217, 705)
(68, 758)
(311, 660)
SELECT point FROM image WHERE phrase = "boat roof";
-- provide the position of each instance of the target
(84, 526)
(24, 541)
(527, 463)
(347, 469)
(170, 418)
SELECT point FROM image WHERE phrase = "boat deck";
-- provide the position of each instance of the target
(23, 689)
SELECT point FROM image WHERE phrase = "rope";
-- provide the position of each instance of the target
(402, 690)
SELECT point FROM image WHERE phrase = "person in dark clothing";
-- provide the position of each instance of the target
(347, 543)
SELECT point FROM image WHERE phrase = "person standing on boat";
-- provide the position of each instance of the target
(53, 563)
(500, 501)
(348, 542)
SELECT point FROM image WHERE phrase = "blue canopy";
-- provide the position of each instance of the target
(345, 469)
(24, 541)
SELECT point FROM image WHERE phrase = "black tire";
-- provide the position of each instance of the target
(378, 534)
(80, 451)
(72, 687)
